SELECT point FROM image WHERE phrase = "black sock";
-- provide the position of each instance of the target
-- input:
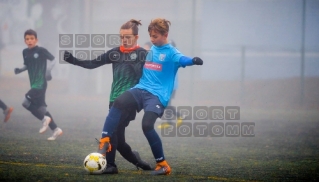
(126, 151)
(3, 106)
(110, 156)
(124, 148)
(52, 124)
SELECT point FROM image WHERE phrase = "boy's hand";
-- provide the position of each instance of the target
(17, 70)
(48, 75)
(68, 57)
(197, 61)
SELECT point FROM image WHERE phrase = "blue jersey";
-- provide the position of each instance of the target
(159, 71)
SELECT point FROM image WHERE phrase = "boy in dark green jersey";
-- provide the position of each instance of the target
(35, 61)
(127, 64)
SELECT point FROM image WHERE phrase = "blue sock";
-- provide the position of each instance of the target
(111, 122)
(156, 145)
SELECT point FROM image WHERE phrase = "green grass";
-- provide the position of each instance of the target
(282, 150)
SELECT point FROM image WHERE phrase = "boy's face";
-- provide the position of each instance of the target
(128, 40)
(31, 41)
(157, 38)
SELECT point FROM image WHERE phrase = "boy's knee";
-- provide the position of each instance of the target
(26, 103)
(42, 110)
(147, 126)
(119, 103)
(124, 101)
(148, 121)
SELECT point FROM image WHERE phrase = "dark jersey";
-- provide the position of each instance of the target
(36, 61)
(127, 68)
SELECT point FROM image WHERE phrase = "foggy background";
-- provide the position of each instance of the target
(258, 54)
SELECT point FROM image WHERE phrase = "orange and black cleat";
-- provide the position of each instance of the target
(162, 168)
(104, 146)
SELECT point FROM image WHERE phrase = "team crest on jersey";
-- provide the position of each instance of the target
(162, 57)
(133, 55)
(35, 55)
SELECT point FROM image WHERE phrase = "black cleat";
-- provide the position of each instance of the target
(110, 169)
(140, 163)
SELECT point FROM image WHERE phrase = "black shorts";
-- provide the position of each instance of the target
(127, 116)
(36, 97)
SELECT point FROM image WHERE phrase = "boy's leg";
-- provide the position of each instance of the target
(111, 167)
(3, 106)
(153, 109)
(125, 149)
(124, 101)
(35, 112)
(151, 135)
(6, 111)
(56, 130)
(162, 167)
(52, 124)
(34, 102)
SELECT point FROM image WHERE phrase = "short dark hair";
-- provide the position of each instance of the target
(30, 32)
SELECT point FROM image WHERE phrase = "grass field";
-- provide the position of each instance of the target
(285, 146)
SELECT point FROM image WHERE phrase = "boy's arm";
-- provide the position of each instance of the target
(51, 64)
(19, 70)
(89, 64)
(47, 54)
(187, 61)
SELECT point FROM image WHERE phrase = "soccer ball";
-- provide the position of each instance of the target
(94, 163)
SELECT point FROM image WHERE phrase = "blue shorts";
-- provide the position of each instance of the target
(147, 101)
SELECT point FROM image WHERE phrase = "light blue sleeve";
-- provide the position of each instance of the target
(177, 56)
(185, 61)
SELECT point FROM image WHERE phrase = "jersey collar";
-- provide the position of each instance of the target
(128, 50)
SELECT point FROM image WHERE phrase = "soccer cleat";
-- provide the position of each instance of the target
(140, 163)
(104, 146)
(7, 114)
(110, 169)
(56, 132)
(162, 168)
(46, 120)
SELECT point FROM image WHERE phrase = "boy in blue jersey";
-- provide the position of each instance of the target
(169, 122)
(152, 93)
